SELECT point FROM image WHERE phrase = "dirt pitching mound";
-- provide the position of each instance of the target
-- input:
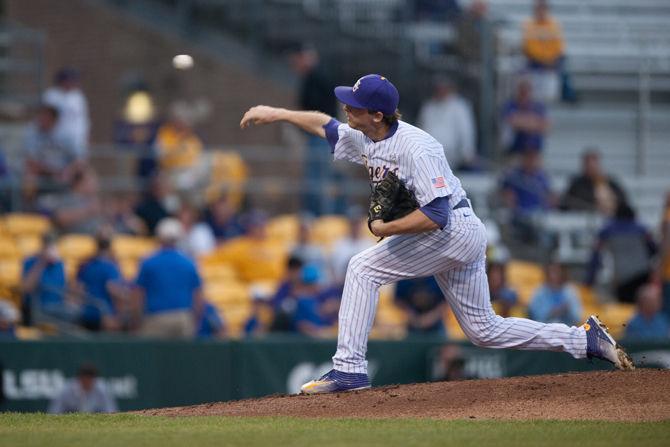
(640, 395)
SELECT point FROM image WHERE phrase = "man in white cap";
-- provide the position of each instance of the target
(170, 287)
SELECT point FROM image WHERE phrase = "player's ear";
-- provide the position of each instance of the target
(377, 117)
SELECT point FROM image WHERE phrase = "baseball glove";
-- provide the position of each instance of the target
(390, 200)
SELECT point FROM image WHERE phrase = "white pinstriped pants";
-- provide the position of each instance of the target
(457, 258)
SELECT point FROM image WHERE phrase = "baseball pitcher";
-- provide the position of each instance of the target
(429, 228)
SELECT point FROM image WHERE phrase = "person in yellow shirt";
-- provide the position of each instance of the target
(542, 38)
(544, 48)
(179, 149)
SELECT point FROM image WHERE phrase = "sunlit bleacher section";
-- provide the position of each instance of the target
(232, 283)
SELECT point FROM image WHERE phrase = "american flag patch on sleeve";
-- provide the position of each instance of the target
(438, 182)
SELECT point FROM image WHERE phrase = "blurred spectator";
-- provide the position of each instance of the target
(198, 237)
(449, 365)
(436, 10)
(211, 324)
(73, 119)
(105, 302)
(664, 263)
(471, 25)
(315, 93)
(544, 48)
(43, 284)
(649, 323)
(254, 256)
(169, 285)
(525, 121)
(309, 252)
(180, 150)
(223, 220)
(310, 318)
(526, 192)
(503, 297)
(285, 298)
(630, 247)
(555, 301)
(137, 127)
(119, 214)
(262, 316)
(593, 190)
(448, 117)
(9, 317)
(51, 159)
(78, 210)
(345, 248)
(84, 394)
(424, 303)
(316, 89)
(157, 203)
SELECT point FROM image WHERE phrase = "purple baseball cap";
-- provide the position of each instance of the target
(372, 92)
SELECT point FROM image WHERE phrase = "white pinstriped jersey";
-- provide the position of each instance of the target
(415, 156)
(456, 256)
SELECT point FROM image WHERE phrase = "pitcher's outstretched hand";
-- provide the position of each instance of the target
(260, 115)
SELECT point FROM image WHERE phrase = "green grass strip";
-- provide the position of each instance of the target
(26, 430)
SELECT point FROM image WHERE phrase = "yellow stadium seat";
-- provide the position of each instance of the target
(10, 272)
(284, 228)
(133, 247)
(28, 244)
(524, 277)
(228, 173)
(71, 268)
(9, 248)
(587, 295)
(616, 316)
(216, 271)
(225, 293)
(24, 223)
(235, 318)
(454, 331)
(129, 268)
(328, 229)
(76, 246)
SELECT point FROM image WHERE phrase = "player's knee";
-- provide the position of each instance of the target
(359, 268)
(483, 334)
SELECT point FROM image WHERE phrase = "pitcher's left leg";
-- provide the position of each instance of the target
(466, 289)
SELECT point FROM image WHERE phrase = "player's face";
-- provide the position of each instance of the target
(358, 119)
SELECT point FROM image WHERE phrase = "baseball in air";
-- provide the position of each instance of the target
(182, 62)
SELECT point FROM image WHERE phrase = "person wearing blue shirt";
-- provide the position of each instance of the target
(649, 323)
(43, 284)
(525, 120)
(526, 192)
(211, 324)
(527, 188)
(631, 248)
(502, 296)
(312, 316)
(102, 284)
(169, 286)
(555, 301)
(283, 302)
(424, 303)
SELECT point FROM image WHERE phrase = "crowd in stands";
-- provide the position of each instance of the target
(210, 269)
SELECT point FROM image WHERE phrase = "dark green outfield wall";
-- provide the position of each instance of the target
(146, 374)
